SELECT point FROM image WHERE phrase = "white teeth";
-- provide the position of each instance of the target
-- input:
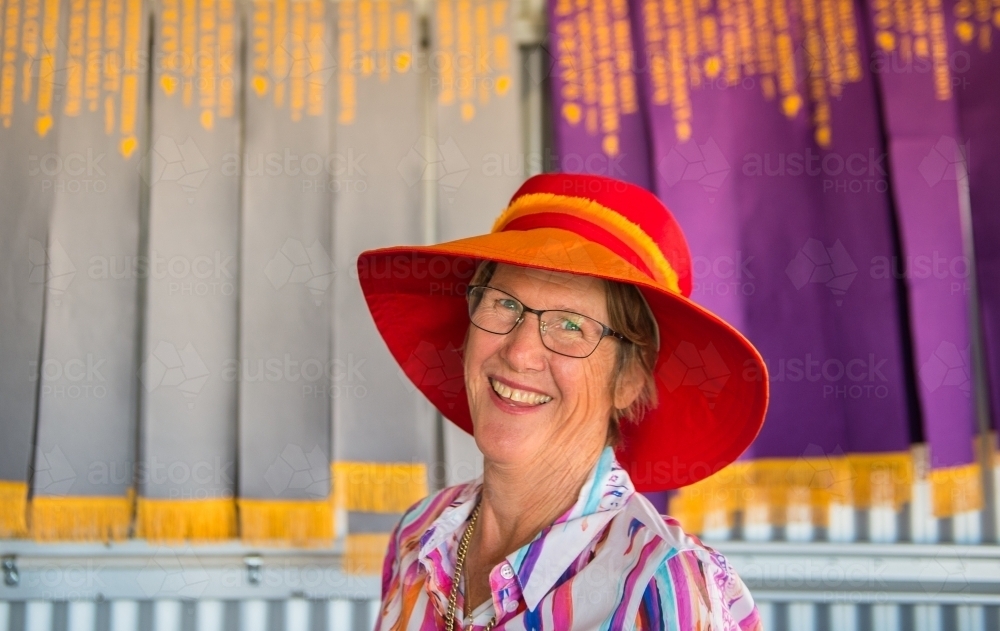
(531, 398)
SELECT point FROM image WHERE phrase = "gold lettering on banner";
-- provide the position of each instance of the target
(317, 57)
(366, 36)
(227, 58)
(300, 61)
(29, 45)
(189, 49)
(789, 48)
(473, 51)
(279, 54)
(8, 67)
(465, 57)
(130, 78)
(446, 38)
(112, 66)
(47, 67)
(198, 55)
(206, 61)
(170, 47)
(346, 78)
(94, 54)
(260, 47)
(975, 22)
(74, 57)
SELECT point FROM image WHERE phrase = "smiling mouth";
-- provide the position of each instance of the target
(522, 397)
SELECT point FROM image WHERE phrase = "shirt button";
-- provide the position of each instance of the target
(506, 571)
(510, 606)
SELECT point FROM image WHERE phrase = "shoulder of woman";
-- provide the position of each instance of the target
(417, 519)
(707, 590)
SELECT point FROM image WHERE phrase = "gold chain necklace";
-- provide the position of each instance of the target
(463, 548)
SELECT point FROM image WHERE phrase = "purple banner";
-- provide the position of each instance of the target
(599, 127)
(975, 67)
(767, 148)
(911, 63)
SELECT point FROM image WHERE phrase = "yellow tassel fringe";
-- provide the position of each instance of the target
(377, 487)
(364, 553)
(300, 523)
(779, 490)
(81, 518)
(956, 489)
(13, 509)
(162, 520)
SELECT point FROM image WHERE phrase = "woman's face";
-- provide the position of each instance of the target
(568, 400)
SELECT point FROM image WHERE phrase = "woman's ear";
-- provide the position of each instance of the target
(628, 385)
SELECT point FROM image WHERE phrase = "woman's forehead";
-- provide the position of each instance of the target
(554, 288)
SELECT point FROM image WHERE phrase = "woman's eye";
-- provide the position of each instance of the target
(569, 325)
(510, 305)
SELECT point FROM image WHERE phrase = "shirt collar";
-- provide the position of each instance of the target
(542, 561)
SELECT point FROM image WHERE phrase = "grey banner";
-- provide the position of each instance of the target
(378, 415)
(25, 200)
(88, 402)
(189, 358)
(286, 368)
(479, 159)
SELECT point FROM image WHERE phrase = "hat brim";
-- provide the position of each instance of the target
(711, 382)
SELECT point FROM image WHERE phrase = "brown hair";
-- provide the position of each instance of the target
(628, 314)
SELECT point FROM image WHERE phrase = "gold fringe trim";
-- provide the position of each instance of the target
(364, 553)
(956, 489)
(300, 523)
(13, 509)
(81, 518)
(378, 487)
(163, 520)
(780, 490)
(619, 224)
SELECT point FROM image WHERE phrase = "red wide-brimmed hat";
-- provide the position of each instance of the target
(711, 382)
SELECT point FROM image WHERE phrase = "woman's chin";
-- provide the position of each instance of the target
(506, 442)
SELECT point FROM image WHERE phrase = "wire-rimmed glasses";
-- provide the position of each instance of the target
(563, 332)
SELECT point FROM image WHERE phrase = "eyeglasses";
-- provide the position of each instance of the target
(563, 332)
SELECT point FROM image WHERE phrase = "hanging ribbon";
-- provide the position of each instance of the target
(285, 367)
(926, 160)
(379, 186)
(188, 446)
(28, 38)
(599, 126)
(85, 450)
(767, 149)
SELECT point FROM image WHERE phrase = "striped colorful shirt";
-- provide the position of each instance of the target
(610, 562)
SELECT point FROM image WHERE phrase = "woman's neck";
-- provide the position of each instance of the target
(519, 501)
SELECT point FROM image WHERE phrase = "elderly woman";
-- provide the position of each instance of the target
(565, 343)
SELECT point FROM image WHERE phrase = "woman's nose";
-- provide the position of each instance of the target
(524, 347)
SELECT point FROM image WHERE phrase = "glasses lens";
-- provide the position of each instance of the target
(493, 310)
(570, 333)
